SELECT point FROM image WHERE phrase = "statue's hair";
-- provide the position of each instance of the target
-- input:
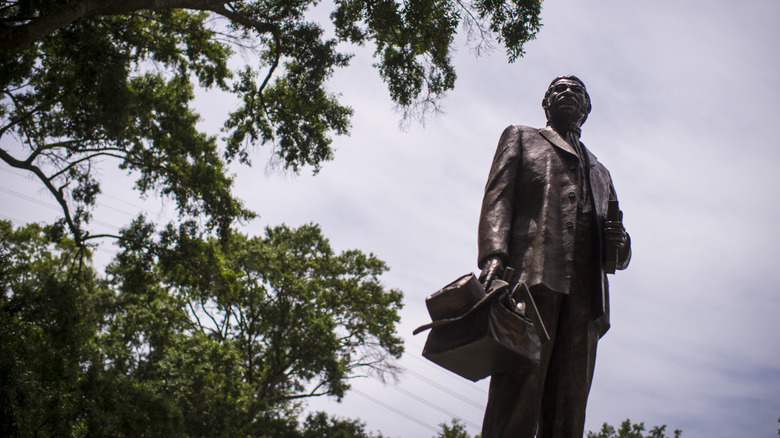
(571, 78)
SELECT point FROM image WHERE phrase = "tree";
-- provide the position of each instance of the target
(51, 309)
(456, 430)
(228, 340)
(628, 430)
(319, 425)
(86, 82)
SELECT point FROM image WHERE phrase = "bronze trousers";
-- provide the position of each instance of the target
(549, 401)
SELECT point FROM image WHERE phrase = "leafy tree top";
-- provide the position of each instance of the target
(83, 82)
(456, 430)
(629, 430)
(187, 336)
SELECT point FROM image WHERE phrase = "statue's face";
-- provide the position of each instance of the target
(567, 102)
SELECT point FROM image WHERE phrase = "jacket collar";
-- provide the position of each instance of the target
(558, 141)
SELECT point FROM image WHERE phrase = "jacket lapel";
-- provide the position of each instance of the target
(591, 158)
(556, 139)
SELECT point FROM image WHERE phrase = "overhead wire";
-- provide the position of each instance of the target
(395, 410)
(432, 405)
(451, 376)
(444, 388)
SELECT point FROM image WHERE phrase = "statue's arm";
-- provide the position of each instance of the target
(495, 221)
(617, 235)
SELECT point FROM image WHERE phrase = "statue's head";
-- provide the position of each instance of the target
(567, 100)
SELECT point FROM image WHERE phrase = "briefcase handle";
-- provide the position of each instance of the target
(496, 286)
(486, 299)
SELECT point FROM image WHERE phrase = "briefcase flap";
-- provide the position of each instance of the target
(489, 340)
(456, 298)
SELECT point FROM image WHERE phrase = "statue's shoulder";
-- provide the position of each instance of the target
(515, 133)
(521, 129)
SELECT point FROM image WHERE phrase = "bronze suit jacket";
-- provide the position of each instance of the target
(529, 211)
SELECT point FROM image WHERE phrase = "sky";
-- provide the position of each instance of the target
(685, 105)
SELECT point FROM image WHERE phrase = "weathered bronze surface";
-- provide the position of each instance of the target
(545, 214)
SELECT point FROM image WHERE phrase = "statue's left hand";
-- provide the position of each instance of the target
(615, 234)
(493, 269)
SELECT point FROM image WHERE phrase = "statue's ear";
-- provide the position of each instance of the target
(544, 103)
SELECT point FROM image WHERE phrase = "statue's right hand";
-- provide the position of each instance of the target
(492, 269)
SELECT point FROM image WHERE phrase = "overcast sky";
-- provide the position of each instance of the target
(685, 116)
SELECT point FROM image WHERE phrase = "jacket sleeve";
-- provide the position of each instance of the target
(495, 220)
(624, 253)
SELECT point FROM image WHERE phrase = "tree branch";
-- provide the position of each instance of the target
(12, 37)
(101, 236)
(261, 27)
(305, 395)
(13, 162)
(22, 117)
(87, 158)
(195, 314)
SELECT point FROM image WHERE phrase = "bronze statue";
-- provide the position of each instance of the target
(545, 214)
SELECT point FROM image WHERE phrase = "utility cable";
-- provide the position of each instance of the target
(444, 388)
(393, 409)
(430, 364)
(433, 406)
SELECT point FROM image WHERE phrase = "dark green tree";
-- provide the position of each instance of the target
(51, 310)
(636, 430)
(90, 82)
(456, 430)
(319, 425)
(186, 336)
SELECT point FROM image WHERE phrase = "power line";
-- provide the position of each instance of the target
(444, 388)
(22, 175)
(97, 204)
(31, 199)
(18, 221)
(52, 206)
(433, 406)
(418, 357)
(397, 411)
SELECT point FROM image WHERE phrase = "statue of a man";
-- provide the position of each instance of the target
(545, 215)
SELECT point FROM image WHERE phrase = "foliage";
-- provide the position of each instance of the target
(224, 342)
(318, 425)
(50, 312)
(628, 430)
(456, 430)
(87, 82)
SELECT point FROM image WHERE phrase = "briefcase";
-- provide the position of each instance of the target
(475, 333)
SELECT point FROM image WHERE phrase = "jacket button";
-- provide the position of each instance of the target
(569, 224)
(572, 167)
(572, 195)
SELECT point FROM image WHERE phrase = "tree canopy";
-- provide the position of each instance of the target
(456, 429)
(629, 430)
(224, 342)
(195, 329)
(85, 82)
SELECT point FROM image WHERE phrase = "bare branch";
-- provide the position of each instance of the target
(58, 195)
(100, 236)
(312, 393)
(21, 118)
(195, 314)
(216, 324)
(40, 149)
(87, 158)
